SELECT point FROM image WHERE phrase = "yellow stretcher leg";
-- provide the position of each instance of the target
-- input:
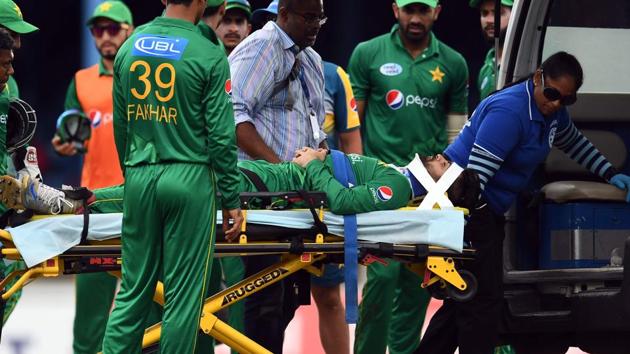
(49, 268)
(444, 267)
(220, 330)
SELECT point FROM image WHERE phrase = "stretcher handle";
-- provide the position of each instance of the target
(318, 199)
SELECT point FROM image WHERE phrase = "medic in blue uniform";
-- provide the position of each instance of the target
(510, 133)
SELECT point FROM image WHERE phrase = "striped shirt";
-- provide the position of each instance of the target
(507, 138)
(265, 93)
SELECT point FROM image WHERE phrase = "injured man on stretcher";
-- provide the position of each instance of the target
(378, 186)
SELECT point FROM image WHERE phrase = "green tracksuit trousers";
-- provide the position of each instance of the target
(6, 269)
(168, 228)
(392, 311)
(95, 291)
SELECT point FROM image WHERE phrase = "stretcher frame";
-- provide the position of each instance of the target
(309, 252)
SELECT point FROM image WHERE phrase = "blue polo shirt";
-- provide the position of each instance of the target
(509, 126)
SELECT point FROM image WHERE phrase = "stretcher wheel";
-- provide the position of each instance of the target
(437, 290)
(467, 294)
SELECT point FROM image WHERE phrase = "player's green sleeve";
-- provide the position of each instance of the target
(359, 73)
(222, 134)
(72, 101)
(458, 94)
(363, 197)
(14, 91)
(108, 200)
(120, 116)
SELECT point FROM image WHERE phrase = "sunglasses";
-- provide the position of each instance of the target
(552, 94)
(111, 29)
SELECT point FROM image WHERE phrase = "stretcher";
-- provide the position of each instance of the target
(302, 248)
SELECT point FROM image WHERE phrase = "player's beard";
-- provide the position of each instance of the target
(490, 39)
(110, 52)
(416, 37)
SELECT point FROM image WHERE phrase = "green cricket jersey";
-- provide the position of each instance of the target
(210, 35)
(172, 102)
(4, 115)
(378, 186)
(206, 31)
(12, 87)
(407, 100)
(486, 82)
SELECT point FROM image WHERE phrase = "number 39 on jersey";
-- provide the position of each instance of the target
(154, 83)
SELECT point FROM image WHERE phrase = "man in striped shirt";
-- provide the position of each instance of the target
(278, 96)
(510, 133)
(278, 84)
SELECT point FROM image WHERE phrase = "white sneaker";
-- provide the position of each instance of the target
(29, 193)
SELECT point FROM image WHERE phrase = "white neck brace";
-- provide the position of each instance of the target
(436, 192)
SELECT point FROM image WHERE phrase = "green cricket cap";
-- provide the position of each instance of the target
(475, 3)
(11, 18)
(240, 5)
(403, 3)
(114, 10)
(215, 3)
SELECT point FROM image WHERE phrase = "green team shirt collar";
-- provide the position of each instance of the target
(174, 22)
(430, 51)
(486, 82)
(490, 56)
(102, 70)
(209, 33)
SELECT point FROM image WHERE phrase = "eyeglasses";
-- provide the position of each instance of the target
(312, 20)
(112, 29)
(552, 94)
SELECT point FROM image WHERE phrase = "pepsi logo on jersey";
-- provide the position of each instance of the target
(228, 87)
(395, 99)
(384, 193)
(353, 104)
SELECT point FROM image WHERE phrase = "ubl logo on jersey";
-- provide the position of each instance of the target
(167, 47)
(395, 99)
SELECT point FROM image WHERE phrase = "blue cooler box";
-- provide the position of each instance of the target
(581, 235)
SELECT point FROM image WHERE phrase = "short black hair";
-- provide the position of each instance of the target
(563, 64)
(179, 2)
(6, 42)
(211, 11)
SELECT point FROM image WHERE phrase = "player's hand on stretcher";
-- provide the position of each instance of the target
(305, 155)
(232, 220)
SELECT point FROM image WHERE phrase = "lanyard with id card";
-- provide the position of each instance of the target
(311, 115)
